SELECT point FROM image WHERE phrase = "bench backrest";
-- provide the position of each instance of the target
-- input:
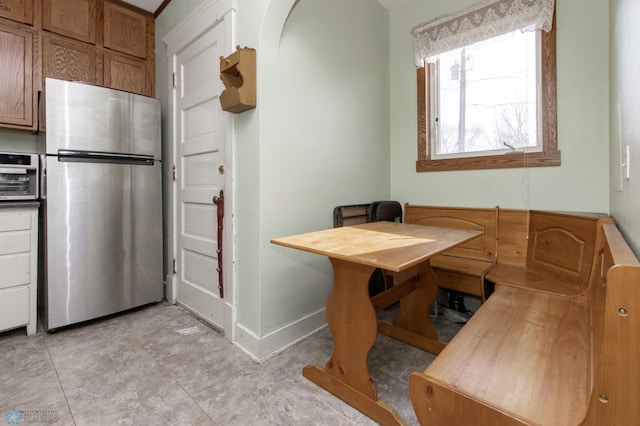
(559, 245)
(614, 297)
(562, 245)
(513, 229)
(485, 220)
(556, 244)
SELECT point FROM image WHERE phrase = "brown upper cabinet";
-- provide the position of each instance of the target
(125, 30)
(16, 82)
(103, 42)
(17, 10)
(66, 59)
(125, 73)
(71, 18)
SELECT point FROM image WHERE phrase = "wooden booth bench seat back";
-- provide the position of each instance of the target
(474, 219)
(562, 245)
(538, 358)
(461, 268)
(546, 251)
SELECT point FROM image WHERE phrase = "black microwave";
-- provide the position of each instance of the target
(19, 176)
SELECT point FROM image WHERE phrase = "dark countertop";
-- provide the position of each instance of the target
(19, 204)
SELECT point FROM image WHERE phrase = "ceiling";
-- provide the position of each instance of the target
(153, 5)
(148, 5)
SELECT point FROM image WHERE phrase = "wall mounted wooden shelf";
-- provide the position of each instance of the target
(238, 73)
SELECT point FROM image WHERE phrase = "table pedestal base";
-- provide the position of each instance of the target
(377, 410)
(412, 324)
(354, 327)
(412, 338)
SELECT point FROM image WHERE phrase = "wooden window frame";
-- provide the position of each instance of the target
(549, 156)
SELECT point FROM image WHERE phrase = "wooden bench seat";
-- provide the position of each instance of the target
(524, 353)
(521, 276)
(544, 358)
(461, 274)
(461, 265)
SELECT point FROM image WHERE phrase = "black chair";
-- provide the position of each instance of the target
(352, 214)
(377, 211)
(384, 210)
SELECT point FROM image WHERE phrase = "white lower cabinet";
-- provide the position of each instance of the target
(18, 268)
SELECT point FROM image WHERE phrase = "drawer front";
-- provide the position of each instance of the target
(15, 242)
(14, 308)
(15, 270)
(14, 222)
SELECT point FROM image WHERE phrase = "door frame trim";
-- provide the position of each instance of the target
(202, 19)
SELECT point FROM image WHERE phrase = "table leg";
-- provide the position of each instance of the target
(412, 324)
(353, 324)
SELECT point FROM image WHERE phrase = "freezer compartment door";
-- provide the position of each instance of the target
(104, 239)
(92, 118)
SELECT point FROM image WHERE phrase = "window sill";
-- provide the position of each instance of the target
(502, 161)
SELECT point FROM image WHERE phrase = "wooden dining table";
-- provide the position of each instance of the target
(403, 251)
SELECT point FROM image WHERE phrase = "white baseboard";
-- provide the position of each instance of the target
(260, 349)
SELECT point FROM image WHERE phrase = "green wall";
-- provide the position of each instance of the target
(580, 184)
(322, 141)
(17, 142)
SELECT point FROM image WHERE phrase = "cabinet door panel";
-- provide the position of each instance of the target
(125, 30)
(15, 270)
(71, 18)
(16, 84)
(66, 60)
(17, 10)
(125, 73)
(15, 242)
(14, 222)
(14, 307)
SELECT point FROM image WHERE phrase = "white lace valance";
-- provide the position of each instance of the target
(480, 22)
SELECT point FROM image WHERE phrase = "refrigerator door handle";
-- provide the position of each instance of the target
(43, 176)
(67, 155)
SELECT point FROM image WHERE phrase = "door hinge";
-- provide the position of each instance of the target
(175, 84)
(174, 266)
(174, 172)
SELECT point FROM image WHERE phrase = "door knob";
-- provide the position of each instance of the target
(221, 169)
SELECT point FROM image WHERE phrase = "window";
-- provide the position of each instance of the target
(485, 97)
(487, 89)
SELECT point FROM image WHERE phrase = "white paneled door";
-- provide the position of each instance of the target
(201, 133)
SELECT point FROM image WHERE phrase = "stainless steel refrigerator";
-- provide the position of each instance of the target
(101, 236)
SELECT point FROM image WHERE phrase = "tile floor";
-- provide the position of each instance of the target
(158, 365)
